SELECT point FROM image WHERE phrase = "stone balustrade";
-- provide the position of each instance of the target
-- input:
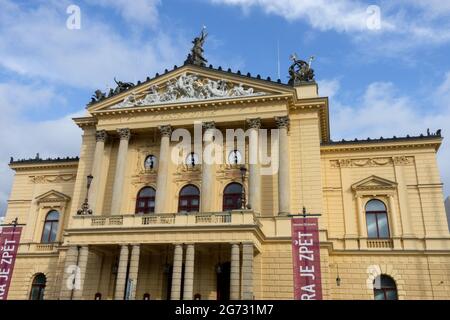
(237, 217)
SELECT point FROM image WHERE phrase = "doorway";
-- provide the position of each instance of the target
(223, 281)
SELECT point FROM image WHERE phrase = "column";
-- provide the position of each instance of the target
(189, 273)
(134, 269)
(283, 171)
(393, 224)
(247, 271)
(120, 171)
(362, 228)
(234, 272)
(403, 198)
(82, 264)
(121, 273)
(208, 169)
(177, 270)
(69, 273)
(163, 169)
(254, 180)
(96, 172)
(393, 216)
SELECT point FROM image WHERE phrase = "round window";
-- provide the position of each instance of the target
(150, 162)
(235, 157)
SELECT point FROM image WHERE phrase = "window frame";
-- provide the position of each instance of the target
(235, 196)
(52, 226)
(188, 208)
(146, 200)
(40, 287)
(377, 213)
(385, 290)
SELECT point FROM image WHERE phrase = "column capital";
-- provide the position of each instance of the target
(254, 123)
(282, 122)
(208, 125)
(124, 133)
(101, 135)
(165, 130)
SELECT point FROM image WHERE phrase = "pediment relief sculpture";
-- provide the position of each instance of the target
(187, 88)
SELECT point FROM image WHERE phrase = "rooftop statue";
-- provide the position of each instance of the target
(98, 96)
(300, 71)
(122, 86)
(196, 56)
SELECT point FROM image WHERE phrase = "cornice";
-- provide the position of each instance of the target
(84, 122)
(193, 105)
(44, 164)
(383, 144)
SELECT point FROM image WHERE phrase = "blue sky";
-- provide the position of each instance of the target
(392, 80)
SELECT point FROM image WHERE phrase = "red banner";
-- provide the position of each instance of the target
(9, 243)
(306, 259)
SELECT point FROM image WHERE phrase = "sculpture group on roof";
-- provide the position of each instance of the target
(299, 72)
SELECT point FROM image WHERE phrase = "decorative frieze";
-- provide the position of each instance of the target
(402, 161)
(371, 162)
(52, 178)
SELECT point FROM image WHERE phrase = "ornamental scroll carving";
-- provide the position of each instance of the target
(188, 173)
(371, 162)
(53, 178)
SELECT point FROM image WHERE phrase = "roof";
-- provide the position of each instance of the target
(210, 67)
(381, 139)
(38, 160)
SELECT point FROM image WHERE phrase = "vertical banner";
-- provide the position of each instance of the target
(306, 259)
(9, 243)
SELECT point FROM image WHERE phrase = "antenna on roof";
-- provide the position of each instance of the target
(278, 59)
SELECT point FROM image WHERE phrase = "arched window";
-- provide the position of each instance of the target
(50, 227)
(384, 288)
(232, 197)
(38, 287)
(189, 200)
(377, 220)
(145, 202)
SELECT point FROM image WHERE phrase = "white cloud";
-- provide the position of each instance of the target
(143, 12)
(36, 43)
(343, 15)
(22, 138)
(329, 88)
(383, 111)
(403, 25)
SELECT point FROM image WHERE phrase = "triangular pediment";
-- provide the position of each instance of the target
(374, 183)
(190, 84)
(52, 196)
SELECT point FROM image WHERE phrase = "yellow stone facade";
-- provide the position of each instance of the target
(172, 255)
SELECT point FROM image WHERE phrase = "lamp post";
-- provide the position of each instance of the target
(85, 206)
(243, 200)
